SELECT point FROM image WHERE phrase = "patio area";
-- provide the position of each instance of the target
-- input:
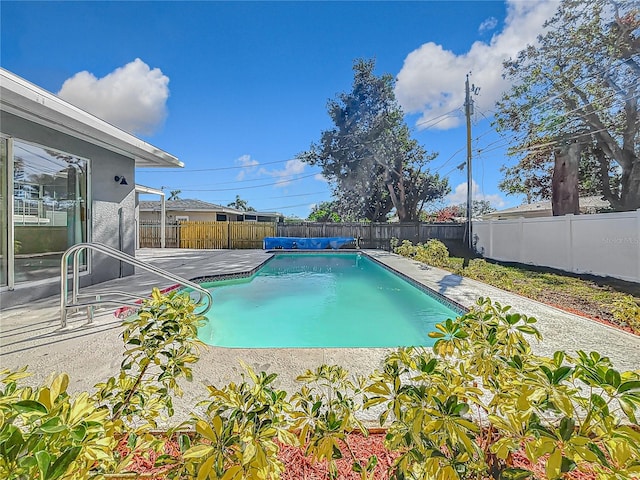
(31, 335)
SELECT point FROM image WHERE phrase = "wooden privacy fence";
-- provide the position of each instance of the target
(237, 235)
(213, 235)
(149, 234)
(374, 235)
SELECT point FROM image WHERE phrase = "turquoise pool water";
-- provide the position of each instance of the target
(321, 300)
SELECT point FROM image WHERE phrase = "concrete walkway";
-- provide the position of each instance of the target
(31, 334)
(560, 330)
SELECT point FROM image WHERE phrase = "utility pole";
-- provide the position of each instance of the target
(468, 109)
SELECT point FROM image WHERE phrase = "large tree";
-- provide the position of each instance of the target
(579, 85)
(369, 157)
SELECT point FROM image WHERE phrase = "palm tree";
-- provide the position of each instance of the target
(174, 195)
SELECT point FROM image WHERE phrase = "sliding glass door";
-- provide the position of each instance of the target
(50, 208)
(4, 211)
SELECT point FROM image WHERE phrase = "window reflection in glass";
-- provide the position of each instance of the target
(50, 208)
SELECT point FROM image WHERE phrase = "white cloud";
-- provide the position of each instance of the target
(248, 165)
(459, 196)
(320, 178)
(132, 97)
(488, 25)
(291, 169)
(431, 81)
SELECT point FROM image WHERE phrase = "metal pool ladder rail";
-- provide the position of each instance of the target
(110, 297)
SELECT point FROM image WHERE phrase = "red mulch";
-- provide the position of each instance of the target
(124, 312)
(145, 461)
(300, 467)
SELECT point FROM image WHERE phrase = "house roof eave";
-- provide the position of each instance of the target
(26, 100)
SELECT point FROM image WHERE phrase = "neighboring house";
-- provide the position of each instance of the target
(592, 204)
(199, 211)
(66, 177)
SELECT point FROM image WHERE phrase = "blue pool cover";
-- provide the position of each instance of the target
(317, 243)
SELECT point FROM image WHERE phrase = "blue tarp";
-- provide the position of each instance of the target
(318, 243)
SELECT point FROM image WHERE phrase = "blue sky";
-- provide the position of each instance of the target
(237, 89)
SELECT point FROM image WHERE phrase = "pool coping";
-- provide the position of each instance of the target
(452, 304)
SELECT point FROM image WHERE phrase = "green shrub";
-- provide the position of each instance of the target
(45, 433)
(162, 344)
(324, 411)
(236, 435)
(627, 310)
(568, 412)
(480, 269)
(406, 248)
(433, 252)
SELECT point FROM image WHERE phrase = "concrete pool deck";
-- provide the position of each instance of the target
(31, 335)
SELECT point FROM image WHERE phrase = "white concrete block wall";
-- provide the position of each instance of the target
(606, 244)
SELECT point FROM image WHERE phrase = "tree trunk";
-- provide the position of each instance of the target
(630, 196)
(564, 183)
(402, 214)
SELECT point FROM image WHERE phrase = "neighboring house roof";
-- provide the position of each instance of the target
(186, 205)
(194, 205)
(26, 100)
(591, 204)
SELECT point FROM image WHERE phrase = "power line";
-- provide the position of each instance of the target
(279, 196)
(457, 167)
(253, 186)
(299, 195)
(218, 168)
(554, 97)
(449, 159)
(506, 141)
(445, 115)
(217, 183)
(285, 207)
(541, 146)
(559, 94)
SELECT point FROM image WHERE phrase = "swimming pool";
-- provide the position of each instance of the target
(321, 300)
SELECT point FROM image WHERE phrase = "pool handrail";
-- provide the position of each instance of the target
(78, 248)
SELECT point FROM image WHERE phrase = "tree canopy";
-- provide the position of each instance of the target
(369, 157)
(241, 204)
(579, 85)
(478, 208)
(325, 212)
